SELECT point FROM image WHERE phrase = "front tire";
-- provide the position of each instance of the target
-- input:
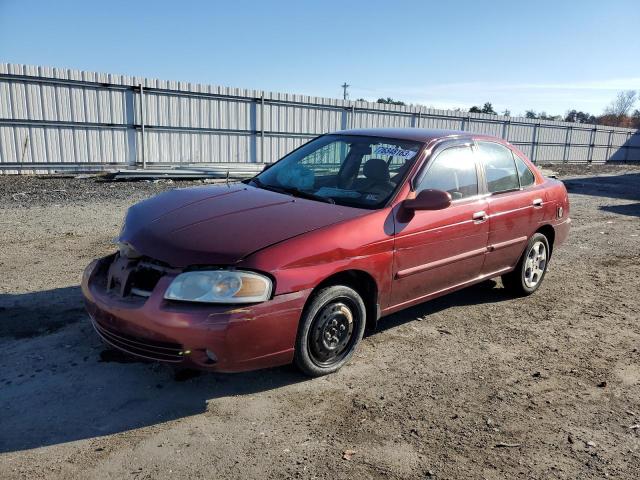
(331, 327)
(527, 277)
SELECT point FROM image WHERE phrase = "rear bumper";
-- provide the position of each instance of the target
(244, 337)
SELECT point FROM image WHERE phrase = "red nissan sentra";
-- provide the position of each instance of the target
(292, 265)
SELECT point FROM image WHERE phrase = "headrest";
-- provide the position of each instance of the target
(376, 169)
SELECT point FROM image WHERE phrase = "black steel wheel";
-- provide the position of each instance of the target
(331, 326)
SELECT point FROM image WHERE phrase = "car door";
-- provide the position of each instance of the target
(515, 205)
(438, 249)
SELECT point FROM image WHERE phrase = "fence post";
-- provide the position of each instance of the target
(568, 137)
(592, 139)
(353, 116)
(419, 119)
(627, 147)
(262, 155)
(609, 141)
(505, 129)
(143, 145)
(534, 142)
(130, 119)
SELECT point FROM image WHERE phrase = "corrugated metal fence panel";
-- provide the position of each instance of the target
(300, 119)
(580, 135)
(520, 133)
(443, 123)
(54, 116)
(550, 153)
(618, 139)
(20, 100)
(634, 140)
(185, 111)
(484, 127)
(550, 135)
(277, 146)
(195, 147)
(370, 119)
(578, 154)
(59, 145)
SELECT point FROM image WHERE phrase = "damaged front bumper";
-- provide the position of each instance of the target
(215, 337)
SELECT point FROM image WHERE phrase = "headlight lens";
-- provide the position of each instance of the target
(220, 286)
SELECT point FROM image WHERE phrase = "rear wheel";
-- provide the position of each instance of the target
(531, 269)
(331, 327)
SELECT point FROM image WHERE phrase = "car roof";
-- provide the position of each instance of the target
(414, 134)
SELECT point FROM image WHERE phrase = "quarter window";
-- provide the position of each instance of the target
(499, 166)
(525, 175)
(452, 170)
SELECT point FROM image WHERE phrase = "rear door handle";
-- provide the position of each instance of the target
(537, 203)
(480, 217)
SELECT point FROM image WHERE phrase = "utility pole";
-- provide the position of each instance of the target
(344, 86)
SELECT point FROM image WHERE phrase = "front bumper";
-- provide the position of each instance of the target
(241, 337)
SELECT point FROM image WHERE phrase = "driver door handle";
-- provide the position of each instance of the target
(537, 203)
(480, 217)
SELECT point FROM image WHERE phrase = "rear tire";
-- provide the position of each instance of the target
(330, 329)
(527, 277)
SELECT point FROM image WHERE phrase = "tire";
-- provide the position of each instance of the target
(531, 269)
(330, 329)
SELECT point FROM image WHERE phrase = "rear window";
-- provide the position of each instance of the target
(524, 173)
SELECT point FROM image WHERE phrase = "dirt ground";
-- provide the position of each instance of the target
(472, 385)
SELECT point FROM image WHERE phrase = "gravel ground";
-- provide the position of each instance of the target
(472, 385)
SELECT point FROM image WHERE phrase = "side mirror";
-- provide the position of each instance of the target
(429, 200)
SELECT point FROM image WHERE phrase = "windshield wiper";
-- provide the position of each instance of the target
(312, 196)
(291, 191)
(258, 183)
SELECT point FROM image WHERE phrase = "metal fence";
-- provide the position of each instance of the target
(55, 119)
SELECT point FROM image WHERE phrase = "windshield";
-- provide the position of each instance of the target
(351, 170)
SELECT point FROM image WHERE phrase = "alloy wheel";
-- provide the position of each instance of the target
(535, 264)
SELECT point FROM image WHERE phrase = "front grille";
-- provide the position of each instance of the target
(143, 280)
(138, 277)
(142, 347)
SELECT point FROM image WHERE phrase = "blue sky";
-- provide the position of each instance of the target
(541, 55)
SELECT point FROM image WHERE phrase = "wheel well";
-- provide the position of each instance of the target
(549, 232)
(361, 282)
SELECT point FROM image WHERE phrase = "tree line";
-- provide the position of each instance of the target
(619, 113)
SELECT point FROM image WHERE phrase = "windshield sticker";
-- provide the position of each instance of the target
(395, 151)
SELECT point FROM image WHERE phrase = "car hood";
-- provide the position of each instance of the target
(220, 225)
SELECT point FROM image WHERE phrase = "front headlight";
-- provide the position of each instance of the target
(219, 286)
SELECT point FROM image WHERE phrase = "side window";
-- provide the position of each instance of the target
(499, 167)
(452, 170)
(525, 175)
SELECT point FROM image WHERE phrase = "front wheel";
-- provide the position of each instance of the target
(331, 327)
(531, 269)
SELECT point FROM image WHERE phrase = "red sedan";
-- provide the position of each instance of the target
(292, 265)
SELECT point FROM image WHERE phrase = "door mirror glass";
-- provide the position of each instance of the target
(429, 200)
